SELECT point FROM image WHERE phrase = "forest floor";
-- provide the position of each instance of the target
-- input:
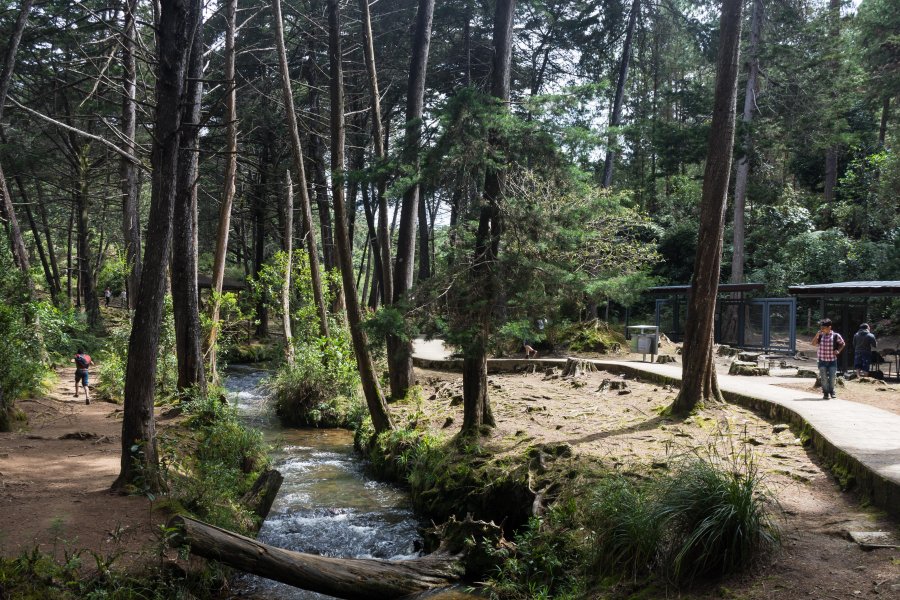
(626, 432)
(54, 492)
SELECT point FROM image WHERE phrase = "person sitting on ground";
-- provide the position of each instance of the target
(82, 362)
(529, 351)
(829, 344)
(863, 343)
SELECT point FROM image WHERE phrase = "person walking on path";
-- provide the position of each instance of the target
(82, 362)
(829, 345)
(863, 344)
(107, 295)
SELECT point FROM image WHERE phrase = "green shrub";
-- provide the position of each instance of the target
(321, 388)
(207, 473)
(590, 336)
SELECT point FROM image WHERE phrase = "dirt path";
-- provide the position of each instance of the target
(54, 492)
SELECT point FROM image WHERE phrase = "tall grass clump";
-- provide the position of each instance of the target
(717, 517)
(625, 530)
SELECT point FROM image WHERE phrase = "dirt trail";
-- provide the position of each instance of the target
(54, 492)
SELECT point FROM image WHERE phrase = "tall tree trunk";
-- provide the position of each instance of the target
(45, 223)
(699, 381)
(616, 116)
(69, 253)
(7, 212)
(297, 152)
(833, 151)
(382, 241)
(185, 299)
(476, 403)
(885, 114)
(424, 240)
(139, 453)
(288, 247)
(381, 420)
(400, 350)
(259, 234)
(128, 172)
(231, 134)
(52, 284)
(85, 270)
(743, 166)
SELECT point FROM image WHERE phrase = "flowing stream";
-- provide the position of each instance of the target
(326, 505)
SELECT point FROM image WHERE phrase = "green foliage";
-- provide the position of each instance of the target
(232, 317)
(113, 359)
(590, 336)
(321, 387)
(87, 575)
(207, 472)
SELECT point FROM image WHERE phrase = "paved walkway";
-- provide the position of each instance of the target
(854, 439)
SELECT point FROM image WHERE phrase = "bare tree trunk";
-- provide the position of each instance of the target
(424, 237)
(139, 453)
(831, 154)
(128, 172)
(259, 233)
(616, 117)
(743, 167)
(52, 285)
(288, 247)
(381, 420)
(885, 113)
(69, 253)
(218, 274)
(699, 381)
(297, 150)
(185, 299)
(382, 241)
(476, 403)
(399, 350)
(7, 212)
(86, 275)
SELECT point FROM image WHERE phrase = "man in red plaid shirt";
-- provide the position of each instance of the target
(829, 345)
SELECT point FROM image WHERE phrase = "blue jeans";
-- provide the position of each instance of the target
(827, 373)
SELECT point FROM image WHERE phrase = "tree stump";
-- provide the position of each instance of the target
(612, 384)
(747, 368)
(575, 367)
(261, 496)
(665, 358)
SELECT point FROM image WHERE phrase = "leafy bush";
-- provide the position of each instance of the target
(591, 336)
(321, 388)
(223, 459)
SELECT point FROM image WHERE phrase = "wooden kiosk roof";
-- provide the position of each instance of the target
(724, 288)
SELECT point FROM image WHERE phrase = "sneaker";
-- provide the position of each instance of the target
(87, 400)
(833, 396)
(824, 396)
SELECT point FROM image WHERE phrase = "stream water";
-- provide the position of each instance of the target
(327, 505)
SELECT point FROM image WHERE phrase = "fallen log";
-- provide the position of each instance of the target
(350, 578)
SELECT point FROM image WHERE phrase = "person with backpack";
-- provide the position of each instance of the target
(82, 362)
(829, 344)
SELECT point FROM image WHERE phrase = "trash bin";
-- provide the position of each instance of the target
(645, 340)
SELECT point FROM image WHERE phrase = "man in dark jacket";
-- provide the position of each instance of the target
(863, 343)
